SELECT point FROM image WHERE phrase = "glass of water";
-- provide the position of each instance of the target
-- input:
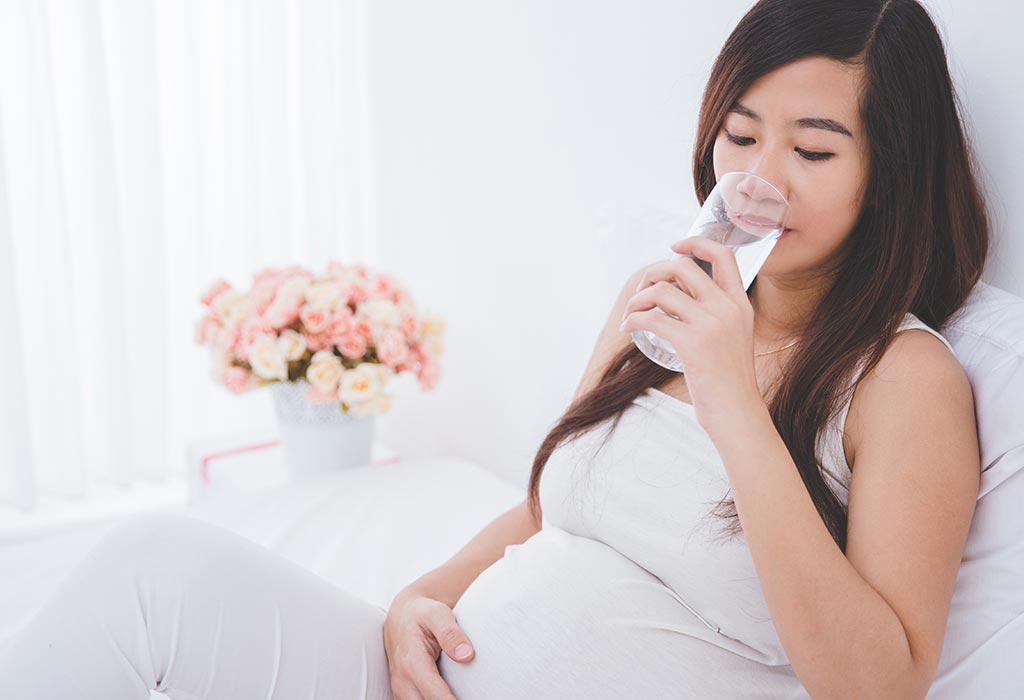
(743, 211)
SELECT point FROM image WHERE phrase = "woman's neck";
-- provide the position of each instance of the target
(780, 312)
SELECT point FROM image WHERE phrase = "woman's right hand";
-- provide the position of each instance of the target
(416, 630)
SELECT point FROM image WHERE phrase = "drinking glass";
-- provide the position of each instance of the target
(743, 211)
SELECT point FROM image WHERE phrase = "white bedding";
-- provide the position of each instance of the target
(370, 530)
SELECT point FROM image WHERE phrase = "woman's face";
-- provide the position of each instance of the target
(821, 171)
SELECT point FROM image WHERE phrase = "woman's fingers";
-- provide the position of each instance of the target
(404, 689)
(428, 680)
(417, 630)
(723, 261)
(684, 272)
(665, 296)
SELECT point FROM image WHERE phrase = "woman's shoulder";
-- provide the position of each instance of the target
(907, 350)
(913, 366)
(912, 322)
(913, 357)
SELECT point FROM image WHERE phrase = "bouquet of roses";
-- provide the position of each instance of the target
(345, 331)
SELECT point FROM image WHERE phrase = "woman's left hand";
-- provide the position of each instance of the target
(714, 333)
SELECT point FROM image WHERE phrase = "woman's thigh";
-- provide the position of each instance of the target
(192, 610)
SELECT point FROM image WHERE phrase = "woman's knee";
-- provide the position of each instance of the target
(163, 538)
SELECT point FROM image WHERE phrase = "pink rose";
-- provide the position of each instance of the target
(250, 330)
(391, 347)
(262, 297)
(316, 341)
(225, 339)
(410, 325)
(283, 311)
(429, 373)
(236, 379)
(362, 327)
(383, 285)
(205, 328)
(340, 324)
(219, 286)
(314, 319)
(355, 293)
(269, 277)
(352, 346)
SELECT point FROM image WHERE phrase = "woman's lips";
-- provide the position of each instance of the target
(762, 222)
(758, 221)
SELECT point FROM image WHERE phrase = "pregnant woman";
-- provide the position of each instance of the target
(784, 520)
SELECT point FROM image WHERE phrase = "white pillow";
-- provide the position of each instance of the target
(983, 652)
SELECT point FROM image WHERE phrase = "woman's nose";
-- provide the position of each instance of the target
(765, 187)
(764, 194)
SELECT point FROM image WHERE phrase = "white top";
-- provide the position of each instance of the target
(625, 591)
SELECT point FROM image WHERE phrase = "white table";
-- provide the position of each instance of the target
(247, 462)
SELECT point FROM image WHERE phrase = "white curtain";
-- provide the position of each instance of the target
(148, 147)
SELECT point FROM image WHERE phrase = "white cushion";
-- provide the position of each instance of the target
(983, 652)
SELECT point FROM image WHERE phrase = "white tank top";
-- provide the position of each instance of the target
(829, 446)
(631, 588)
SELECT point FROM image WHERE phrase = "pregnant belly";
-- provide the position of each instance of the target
(570, 617)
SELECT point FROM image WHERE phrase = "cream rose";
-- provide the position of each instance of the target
(295, 286)
(360, 383)
(323, 294)
(432, 325)
(384, 373)
(380, 403)
(241, 311)
(381, 311)
(223, 302)
(346, 276)
(325, 371)
(292, 344)
(266, 358)
(433, 346)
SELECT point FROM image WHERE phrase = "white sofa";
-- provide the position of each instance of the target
(376, 528)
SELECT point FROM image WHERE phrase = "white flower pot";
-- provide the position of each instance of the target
(319, 438)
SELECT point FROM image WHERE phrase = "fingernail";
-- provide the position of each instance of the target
(462, 650)
(622, 326)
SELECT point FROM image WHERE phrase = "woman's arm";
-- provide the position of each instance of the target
(869, 624)
(449, 581)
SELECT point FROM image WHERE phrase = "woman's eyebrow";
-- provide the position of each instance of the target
(805, 123)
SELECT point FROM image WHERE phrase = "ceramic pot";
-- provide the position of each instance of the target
(319, 438)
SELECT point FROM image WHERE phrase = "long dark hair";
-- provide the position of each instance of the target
(919, 244)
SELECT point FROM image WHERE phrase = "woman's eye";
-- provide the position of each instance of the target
(806, 155)
(812, 155)
(739, 140)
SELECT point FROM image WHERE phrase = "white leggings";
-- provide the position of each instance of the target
(174, 604)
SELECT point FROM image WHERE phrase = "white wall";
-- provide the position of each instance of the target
(983, 44)
(527, 156)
